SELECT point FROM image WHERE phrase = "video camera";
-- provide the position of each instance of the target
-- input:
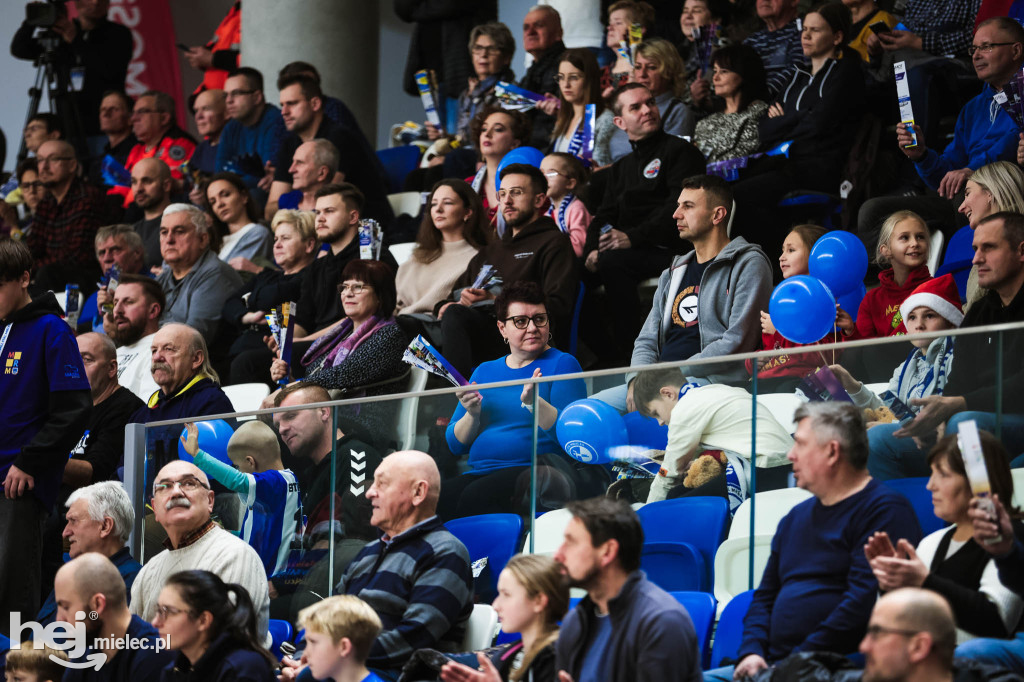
(44, 14)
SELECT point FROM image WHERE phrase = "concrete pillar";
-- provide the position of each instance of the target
(339, 37)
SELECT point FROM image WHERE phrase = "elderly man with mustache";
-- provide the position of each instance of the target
(182, 503)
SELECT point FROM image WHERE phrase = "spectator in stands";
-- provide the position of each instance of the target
(295, 248)
(819, 112)
(235, 216)
(314, 165)
(567, 183)
(116, 245)
(779, 44)
(453, 230)
(971, 392)
(159, 136)
(638, 206)
(696, 20)
(101, 449)
(210, 112)
(304, 117)
(362, 354)
(99, 519)
(417, 576)
(660, 70)
(491, 47)
(253, 135)
(902, 245)
(493, 427)
(496, 132)
(741, 92)
(578, 87)
(138, 305)
(866, 13)
(34, 665)
(621, 16)
(910, 636)
(151, 188)
(32, 191)
(91, 583)
(339, 633)
(45, 403)
(949, 561)
(41, 128)
(542, 39)
(91, 42)
(116, 123)
(817, 589)
(182, 502)
(66, 222)
(532, 249)
(212, 624)
(995, 187)
(221, 54)
(983, 133)
(626, 627)
(196, 282)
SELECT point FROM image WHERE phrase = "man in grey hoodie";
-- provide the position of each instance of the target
(708, 302)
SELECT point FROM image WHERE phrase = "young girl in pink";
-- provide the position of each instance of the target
(567, 177)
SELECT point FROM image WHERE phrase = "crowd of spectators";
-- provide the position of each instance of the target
(671, 159)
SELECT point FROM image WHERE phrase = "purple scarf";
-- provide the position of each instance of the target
(328, 345)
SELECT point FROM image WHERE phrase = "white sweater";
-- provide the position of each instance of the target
(421, 285)
(219, 552)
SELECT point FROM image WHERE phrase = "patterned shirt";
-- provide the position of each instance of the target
(945, 26)
(65, 232)
(780, 51)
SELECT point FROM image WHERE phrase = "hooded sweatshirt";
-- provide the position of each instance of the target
(45, 401)
(879, 313)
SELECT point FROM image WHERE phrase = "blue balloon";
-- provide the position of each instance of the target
(645, 431)
(213, 440)
(531, 156)
(850, 301)
(802, 309)
(840, 260)
(588, 428)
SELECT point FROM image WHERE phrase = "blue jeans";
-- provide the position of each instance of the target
(1005, 653)
(723, 674)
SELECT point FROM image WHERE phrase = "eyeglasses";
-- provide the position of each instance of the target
(985, 48)
(522, 321)
(37, 185)
(43, 160)
(163, 611)
(356, 288)
(486, 50)
(515, 193)
(876, 631)
(187, 485)
(238, 93)
(551, 174)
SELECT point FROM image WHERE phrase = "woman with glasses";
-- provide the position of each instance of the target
(361, 355)
(949, 561)
(32, 192)
(495, 427)
(212, 626)
(491, 47)
(578, 85)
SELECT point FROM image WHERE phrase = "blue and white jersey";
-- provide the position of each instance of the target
(273, 516)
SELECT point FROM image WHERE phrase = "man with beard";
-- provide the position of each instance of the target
(911, 636)
(182, 503)
(138, 304)
(626, 628)
(90, 584)
(116, 245)
(532, 249)
(151, 186)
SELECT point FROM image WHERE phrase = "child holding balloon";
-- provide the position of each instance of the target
(903, 246)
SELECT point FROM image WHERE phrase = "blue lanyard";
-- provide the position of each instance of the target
(3, 339)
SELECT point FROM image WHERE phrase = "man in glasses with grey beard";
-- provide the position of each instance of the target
(182, 504)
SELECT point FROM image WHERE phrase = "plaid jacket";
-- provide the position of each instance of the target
(65, 232)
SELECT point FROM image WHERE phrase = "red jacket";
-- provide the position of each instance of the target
(879, 313)
(798, 365)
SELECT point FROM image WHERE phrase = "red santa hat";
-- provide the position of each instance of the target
(939, 294)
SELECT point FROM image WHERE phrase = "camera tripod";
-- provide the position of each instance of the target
(56, 78)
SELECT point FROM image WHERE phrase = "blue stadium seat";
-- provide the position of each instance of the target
(701, 606)
(699, 521)
(674, 566)
(729, 634)
(921, 500)
(494, 536)
(826, 207)
(280, 631)
(398, 162)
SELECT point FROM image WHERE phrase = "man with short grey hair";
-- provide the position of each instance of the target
(817, 590)
(196, 282)
(99, 519)
(542, 39)
(118, 245)
(314, 165)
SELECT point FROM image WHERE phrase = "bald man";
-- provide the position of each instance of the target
(91, 584)
(417, 577)
(67, 218)
(151, 187)
(210, 116)
(910, 638)
(182, 504)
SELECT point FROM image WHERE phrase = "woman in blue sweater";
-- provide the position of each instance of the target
(495, 426)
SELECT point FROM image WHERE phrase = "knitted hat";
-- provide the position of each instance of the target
(939, 294)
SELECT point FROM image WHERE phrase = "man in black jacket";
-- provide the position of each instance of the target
(542, 38)
(633, 235)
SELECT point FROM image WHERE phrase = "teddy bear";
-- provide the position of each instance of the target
(706, 466)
